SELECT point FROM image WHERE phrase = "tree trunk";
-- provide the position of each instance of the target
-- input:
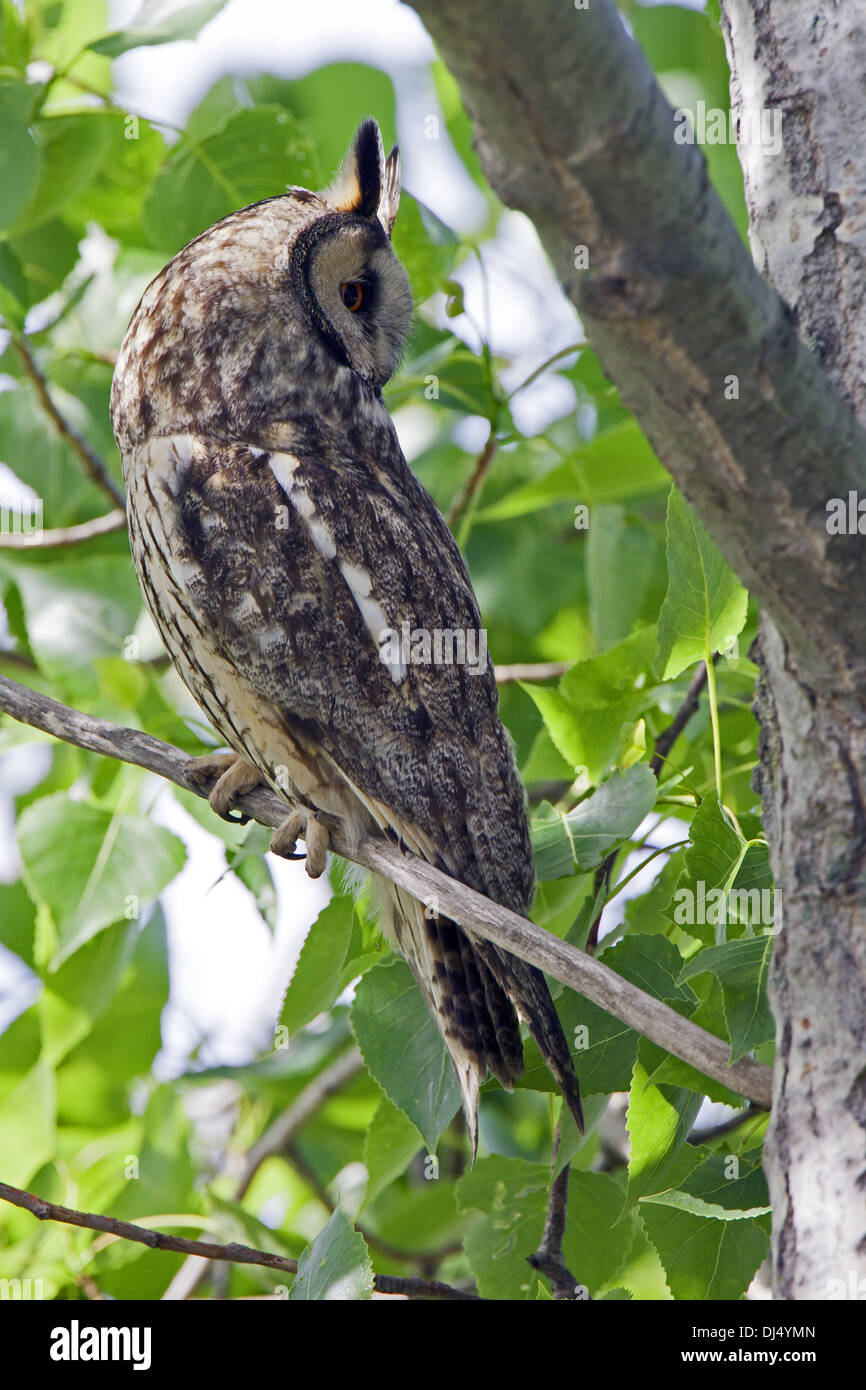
(807, 214)
(573, 130)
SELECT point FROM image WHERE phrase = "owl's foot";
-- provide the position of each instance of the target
(234, 777)
(303, 825)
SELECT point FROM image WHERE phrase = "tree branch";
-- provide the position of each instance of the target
(471, 910)
(475, 481)
(67, 535)
(93, 464)
(573, 130)
(531, 671)
(233, 1253)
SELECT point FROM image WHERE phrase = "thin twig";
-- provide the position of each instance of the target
(668, 737)
(93, 464)
(233, 1253)
(711, 1132)
(475, 479)
(531, 671)
(471, 910)
(548, 1258)
(65, 535)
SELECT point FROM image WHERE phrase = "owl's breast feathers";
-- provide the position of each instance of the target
(285, 582)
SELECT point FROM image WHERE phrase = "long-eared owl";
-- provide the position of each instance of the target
(285, 549)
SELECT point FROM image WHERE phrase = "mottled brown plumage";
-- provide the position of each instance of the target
(278, 534)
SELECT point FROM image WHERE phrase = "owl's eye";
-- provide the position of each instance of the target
(353, 294)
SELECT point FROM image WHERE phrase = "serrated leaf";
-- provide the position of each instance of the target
(580, 840)
(336, 1266)
(91, 867)
(403, 1049)
(724, 1187)
(708, 1260)
(595, 698)
(659, 1123)
(741, 967)
(705, 607)
(390, 1144)
(331, 957)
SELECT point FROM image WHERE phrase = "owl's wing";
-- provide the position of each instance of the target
(300, 573)
(327, 585)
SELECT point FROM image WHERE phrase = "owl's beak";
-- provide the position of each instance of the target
(367, 183)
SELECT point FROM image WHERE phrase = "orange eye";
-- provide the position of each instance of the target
(352, 294)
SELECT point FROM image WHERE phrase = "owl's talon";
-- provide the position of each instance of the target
(303, 825)
(234, 777)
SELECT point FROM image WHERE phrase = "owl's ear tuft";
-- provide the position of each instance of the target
(389, 202)
(358, 184)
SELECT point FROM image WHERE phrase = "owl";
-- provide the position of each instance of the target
(308, 591)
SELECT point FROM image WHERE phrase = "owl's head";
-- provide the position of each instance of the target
(293, 307)
(353, 288)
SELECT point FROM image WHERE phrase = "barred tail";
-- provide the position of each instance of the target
(472, 989)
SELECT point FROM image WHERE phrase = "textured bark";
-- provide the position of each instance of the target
(573, 130)
(807, 212)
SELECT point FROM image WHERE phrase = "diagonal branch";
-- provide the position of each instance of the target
(649, 1016)
(93, 464)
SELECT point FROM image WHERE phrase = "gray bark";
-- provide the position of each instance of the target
(807, 214)
(573, 130)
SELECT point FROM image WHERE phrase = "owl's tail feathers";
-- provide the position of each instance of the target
(473, 989)
(472, 1009)
(528, 988)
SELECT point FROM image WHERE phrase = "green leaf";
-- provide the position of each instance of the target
(580, 840)
(403, 1049)
(659, 1123)
(425, 246)
(76, 610)
(617, 464)
(335, 1266)
(72, 149)
(705, 607)
(603, 1047)
(390, 1144)
(513, 1195)
(90, 867)
(27, 1126)
(254, 154)
(595, 698)
(331, 958)
(741, 967)
(703, 1259)
(159, 21)
(725, 1187)
(621, 556)
(19, 153)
